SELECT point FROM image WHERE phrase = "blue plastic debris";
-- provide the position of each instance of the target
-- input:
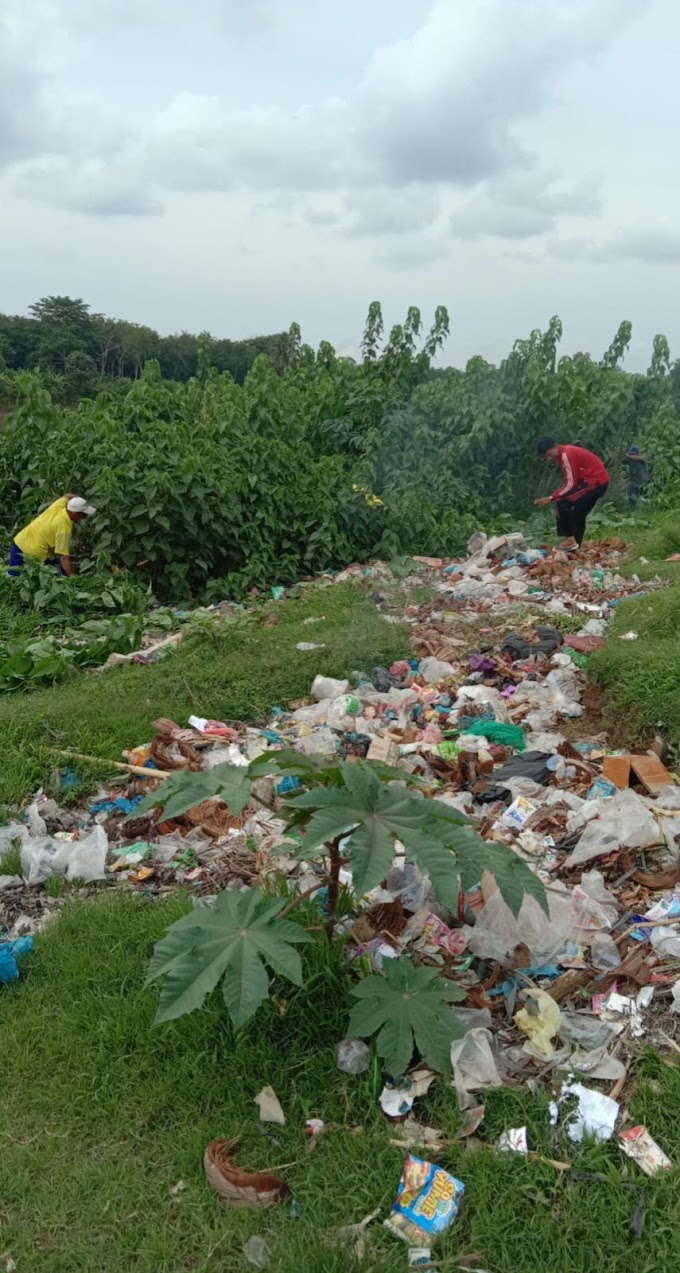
(121, 804)
(10, 952)
(69, 779)
(286, 784)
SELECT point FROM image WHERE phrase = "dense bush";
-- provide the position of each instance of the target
(214, 484)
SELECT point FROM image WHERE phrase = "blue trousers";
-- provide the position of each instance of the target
(16, 561)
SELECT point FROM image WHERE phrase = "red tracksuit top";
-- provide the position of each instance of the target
(582, 470)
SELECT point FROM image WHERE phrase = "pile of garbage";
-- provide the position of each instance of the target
(487, 714)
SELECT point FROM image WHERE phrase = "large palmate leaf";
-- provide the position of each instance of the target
(232, 940)
(475, 855)
(185, 789)
(409, 1008)
(372, 816)
(319, 768)
(514, 878)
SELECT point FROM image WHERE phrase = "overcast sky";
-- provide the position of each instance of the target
(234, 165)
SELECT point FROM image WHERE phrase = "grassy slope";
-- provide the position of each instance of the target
(237, 671)
(101, 1116)
(642, 677)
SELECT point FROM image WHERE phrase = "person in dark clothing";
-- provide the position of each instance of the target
(638, 474)
(586, 481)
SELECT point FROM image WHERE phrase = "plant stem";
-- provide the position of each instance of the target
(295, 901)
(333, 886)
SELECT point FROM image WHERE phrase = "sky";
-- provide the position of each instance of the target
(237, 165)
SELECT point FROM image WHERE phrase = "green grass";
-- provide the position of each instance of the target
(236, 670)
(101, 1115)
(642, 678)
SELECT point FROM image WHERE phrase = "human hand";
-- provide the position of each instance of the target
(543, 501)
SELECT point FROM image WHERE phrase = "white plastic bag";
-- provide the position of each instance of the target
(328, 687)
(76, 859)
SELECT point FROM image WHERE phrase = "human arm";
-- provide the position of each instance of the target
(566, 467)
(67, 565)
(543, 501)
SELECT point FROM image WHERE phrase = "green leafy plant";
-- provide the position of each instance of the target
(353, 815)
(230, 941)
(183, 791)
(407, 1007)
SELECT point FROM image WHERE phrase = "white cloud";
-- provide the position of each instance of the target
(522, 205)
(435, 112)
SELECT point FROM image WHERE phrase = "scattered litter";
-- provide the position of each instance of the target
(514, 1141)
(10, 954)
(256, 1252)
(473, 1118)
(638, 1145)
(353, 1056)
(428, 1201)
(595, 1114)
(474, 1066)
(540, 1020)
(238, 1188)
(270, 1109)
(414, 1135)
(352, 1237)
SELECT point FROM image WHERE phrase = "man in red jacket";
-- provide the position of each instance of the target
(586, 481)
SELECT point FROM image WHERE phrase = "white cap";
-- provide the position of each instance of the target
(80, 505)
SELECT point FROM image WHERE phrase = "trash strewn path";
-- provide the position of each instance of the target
(486, 714)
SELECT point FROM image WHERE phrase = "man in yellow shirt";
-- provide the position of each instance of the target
(48, 537)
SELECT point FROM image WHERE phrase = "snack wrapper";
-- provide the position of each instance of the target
(453, 941)
(428, 1200)
(516, 815)
(638, 1145)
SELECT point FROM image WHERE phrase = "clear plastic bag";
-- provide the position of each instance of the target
(434, 670)
(75, 859)
(353, 1056)
(624, 822)
(603, 952)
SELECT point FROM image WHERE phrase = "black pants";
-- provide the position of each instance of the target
(572, 513)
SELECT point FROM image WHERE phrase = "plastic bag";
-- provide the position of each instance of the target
(434, 670)
(328, 687)
(624, 822)
(497, 932)
(603, 952)
(322, 741)
(474, 1065)
(313, 715)
(353, 1056)
(669, 797)
(530, 764)
(342, 711)
(76, 859)
(540, 1021)
(10, 952)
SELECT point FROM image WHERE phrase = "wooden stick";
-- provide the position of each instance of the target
(619, 1085)
(115, 764)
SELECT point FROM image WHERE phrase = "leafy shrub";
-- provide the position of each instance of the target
(229, 486)
(350, 814)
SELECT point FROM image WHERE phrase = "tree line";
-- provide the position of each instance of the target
(209, 487)
(77, 351)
